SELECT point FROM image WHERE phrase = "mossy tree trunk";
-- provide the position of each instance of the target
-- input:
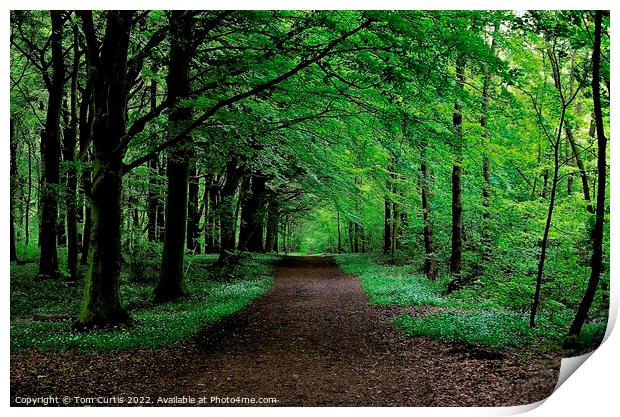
(101, 304)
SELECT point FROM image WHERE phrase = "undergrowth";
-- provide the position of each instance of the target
(468, 316)
(42, 311)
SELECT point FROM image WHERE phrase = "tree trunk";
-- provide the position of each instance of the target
(457, 171)
(13, 156)
(172, 278)
(430, 264)
(543, 251)
(86, 117)
(571, 140)
(209, 209)
(598, 232)
(153, 190)
(351, 246)
(252, 216)
(363, 238)
(395, 232)
(28, 195)
(554, 184)
(227, 207)
(339, 234)
(50, 155)
(486, 162)
(70, 156)
(585, 183)
(161, 208)
(101, 305)
(171, 283)
(284, 233)
(87, 185)
(152, 201)
(387, 227)
(193, 219)
(272, 226)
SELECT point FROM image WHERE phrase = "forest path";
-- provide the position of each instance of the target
(313, 340)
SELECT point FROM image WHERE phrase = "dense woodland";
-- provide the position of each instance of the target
(469, 144)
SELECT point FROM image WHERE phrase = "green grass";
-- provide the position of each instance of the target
(392, 285)
(482, 327)
(154, 325)
(466, 316)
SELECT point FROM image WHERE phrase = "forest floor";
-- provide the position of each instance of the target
(313, 340)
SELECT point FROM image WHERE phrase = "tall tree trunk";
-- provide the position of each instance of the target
(284, 234)
(102, 303)
(543, 244)
(486, 162)
(209, 209)
(598, 232)
(193, 219)
(171, 283)
(276, 243)
(70, 157)
(395, 232)
(50, 155)
(404, 224)
(13, 191)
(161, 207)
(387, 227)
(351, 246)
(28, 195)
(153, 189)
(339, 234)
(86, 120)
(362, 238)
(226, 209)
(272, 226)
(152, 201)
(457, 171)
(252, 216)
(554, 184)
(356, 243)
(430, 264)
(87, 185)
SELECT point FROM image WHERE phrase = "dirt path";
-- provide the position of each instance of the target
(313, 340)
